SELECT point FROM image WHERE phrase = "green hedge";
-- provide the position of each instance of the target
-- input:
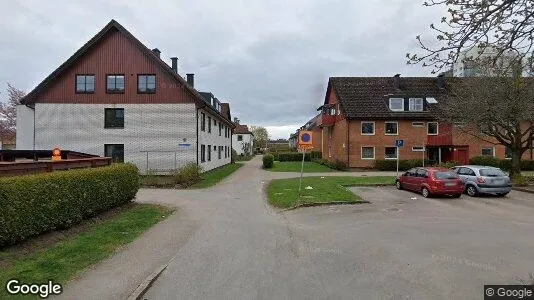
(404, 164)
(33, 204)
(505, 164)
(268, 161)
(296, 156)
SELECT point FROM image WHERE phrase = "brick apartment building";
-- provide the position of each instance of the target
(363, 116)
(115, 97)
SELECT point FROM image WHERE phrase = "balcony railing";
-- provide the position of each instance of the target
(327, 120)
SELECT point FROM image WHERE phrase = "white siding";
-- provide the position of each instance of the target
(24, 128)
(238, 145)
(157, 128)
(213, 139)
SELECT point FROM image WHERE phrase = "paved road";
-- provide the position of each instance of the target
(226, 243)
(394, 248)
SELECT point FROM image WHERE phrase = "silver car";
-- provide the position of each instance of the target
(483, 180)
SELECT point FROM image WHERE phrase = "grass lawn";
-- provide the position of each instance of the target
(294, 166)
(210, 178)
(62, 260)
(283, 193)
(213, 177)
(239, 158)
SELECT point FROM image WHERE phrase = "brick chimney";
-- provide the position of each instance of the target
(236, 120)
(396, 81)
(157, 52)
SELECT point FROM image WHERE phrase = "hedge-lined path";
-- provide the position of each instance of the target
(218, 239)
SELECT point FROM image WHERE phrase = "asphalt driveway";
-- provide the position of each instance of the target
(225, 242)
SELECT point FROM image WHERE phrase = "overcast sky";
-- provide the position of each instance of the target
(270, 59)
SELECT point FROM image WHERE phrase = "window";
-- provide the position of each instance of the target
(508, 152)
(214, 122)
(421, 173)
(146, 84)
(115, 84)
(466, 171)
(416, 104)
(431, 100)
(225, 152)
(203, 122)
(220, 129)
(113, 117)
(488, 151)
(368, 152)
(115, 151)
(392, 128)
(368, 128)
(220, 150)
(85, 84)
(209, 152)
(418, 124)
(418, 148)
(209, 124)
(202, 153)
(396, 104)
(240, 137)
(390, 152)
(432, 128)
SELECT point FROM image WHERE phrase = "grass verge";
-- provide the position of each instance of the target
(283, 193)
(294, 166)
(213, 177)
(62, 260)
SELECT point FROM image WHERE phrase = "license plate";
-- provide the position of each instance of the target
(498, 181)
(450, 183)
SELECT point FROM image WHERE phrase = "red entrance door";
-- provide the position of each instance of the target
(462, 156)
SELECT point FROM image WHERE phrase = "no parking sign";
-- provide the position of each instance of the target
(305, 139)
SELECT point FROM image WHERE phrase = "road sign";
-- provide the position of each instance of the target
(305, 147)
(56, 154)
(305, 138)
(399, 143)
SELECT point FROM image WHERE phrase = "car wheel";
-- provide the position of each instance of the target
(457, 195)
(425, 192)
(399, 185)
(502, 194)
(471, 190)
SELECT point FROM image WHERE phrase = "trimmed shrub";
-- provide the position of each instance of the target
(446, 165)
(505, 164)
(404, 164)
(188, 174)
(338, 165)
(316, 155)
(268, 161)
(293, 156)
(321, 161)
(34, 204)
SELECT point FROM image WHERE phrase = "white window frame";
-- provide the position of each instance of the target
(402, 101)
(437, 128)
(492, 151)
(418, 149)
(396, 153)
(411, 104)
(396, 122)
(367, 158)
(422, 124)
(374, 128)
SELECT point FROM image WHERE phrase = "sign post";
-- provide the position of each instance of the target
(304, 143)
(398, 144)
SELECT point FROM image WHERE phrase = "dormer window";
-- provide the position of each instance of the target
(416, 104)
(396, 104)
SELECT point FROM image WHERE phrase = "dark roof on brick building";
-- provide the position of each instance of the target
(367, 97)
(242, 129)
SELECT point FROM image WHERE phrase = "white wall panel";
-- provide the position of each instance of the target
(213, 139)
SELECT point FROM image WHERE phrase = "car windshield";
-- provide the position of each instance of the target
(445, 175)
(492, 172)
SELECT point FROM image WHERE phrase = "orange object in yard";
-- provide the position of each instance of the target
(56, 154)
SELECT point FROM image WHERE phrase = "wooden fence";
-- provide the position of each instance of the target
(31, 167)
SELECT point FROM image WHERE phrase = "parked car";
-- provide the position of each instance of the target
(483, 180)
(431, 181)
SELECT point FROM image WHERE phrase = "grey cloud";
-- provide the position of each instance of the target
(270, 59)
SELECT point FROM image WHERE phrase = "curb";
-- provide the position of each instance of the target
(523, 190)
(325, 204)
(146, 284)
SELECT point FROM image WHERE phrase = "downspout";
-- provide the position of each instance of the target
(33, 108)
(348, 143)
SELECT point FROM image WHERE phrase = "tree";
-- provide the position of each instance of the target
(246, 149)
(8, 118)
(501, 107)
(500, 110)
(505, 26)
(261, 136)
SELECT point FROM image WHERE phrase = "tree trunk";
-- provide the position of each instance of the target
(515, 168)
